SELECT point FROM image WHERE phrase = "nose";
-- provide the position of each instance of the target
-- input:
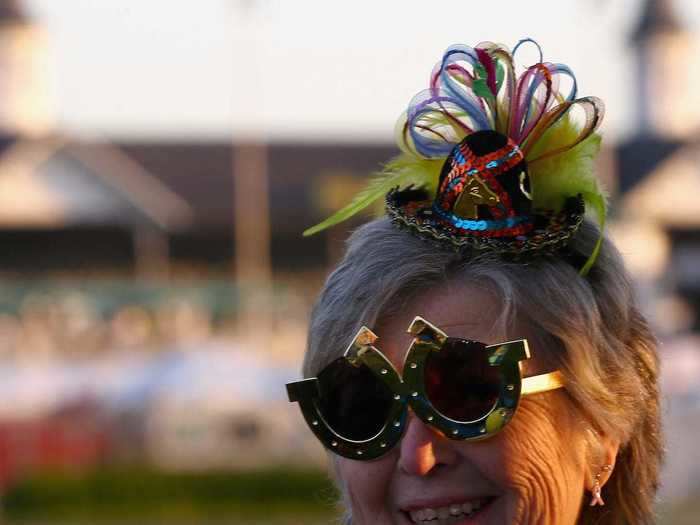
(424, 449)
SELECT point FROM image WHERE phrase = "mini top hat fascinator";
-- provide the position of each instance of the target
(491, 160)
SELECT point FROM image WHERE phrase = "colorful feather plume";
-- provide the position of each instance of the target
(474, 89)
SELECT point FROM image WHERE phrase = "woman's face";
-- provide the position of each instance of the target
(533, 471)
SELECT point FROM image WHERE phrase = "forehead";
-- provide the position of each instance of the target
(469, 311)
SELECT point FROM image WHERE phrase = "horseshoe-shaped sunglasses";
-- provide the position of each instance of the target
(358, 404)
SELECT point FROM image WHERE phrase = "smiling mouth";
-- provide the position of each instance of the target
(449, 514)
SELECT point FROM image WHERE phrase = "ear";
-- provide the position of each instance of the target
(602, 459)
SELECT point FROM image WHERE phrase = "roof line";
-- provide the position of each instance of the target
(153, 197)
(146, 192)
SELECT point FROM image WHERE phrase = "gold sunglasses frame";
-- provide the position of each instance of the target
(409, 390)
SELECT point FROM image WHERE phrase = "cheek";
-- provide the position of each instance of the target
(540, 464)
(366, 485)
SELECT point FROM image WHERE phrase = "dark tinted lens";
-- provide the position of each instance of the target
(354, 402)
(459, 381)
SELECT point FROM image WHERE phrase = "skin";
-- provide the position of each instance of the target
(536, 467)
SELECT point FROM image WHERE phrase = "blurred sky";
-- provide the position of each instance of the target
(304, 69)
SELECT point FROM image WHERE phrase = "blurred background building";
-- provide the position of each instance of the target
(154, 288)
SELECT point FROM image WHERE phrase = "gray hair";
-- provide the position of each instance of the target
(595, 334)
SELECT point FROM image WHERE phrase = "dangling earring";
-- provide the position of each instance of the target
(597, 498)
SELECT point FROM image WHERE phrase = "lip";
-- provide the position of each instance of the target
(443, 501)
(476, 519)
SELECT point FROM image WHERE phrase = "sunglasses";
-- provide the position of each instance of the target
(357, 406)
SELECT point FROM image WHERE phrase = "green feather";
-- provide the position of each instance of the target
(554, 179)
(564, 175)
(480, 85)
(500, 75)
(597, 201)
(404, 170)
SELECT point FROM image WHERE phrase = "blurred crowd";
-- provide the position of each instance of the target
(169, 378)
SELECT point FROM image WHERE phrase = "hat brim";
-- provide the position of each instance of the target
(551, 231)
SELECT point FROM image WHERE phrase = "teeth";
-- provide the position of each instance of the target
(429, 516)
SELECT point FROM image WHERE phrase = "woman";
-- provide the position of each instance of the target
(477, 357)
